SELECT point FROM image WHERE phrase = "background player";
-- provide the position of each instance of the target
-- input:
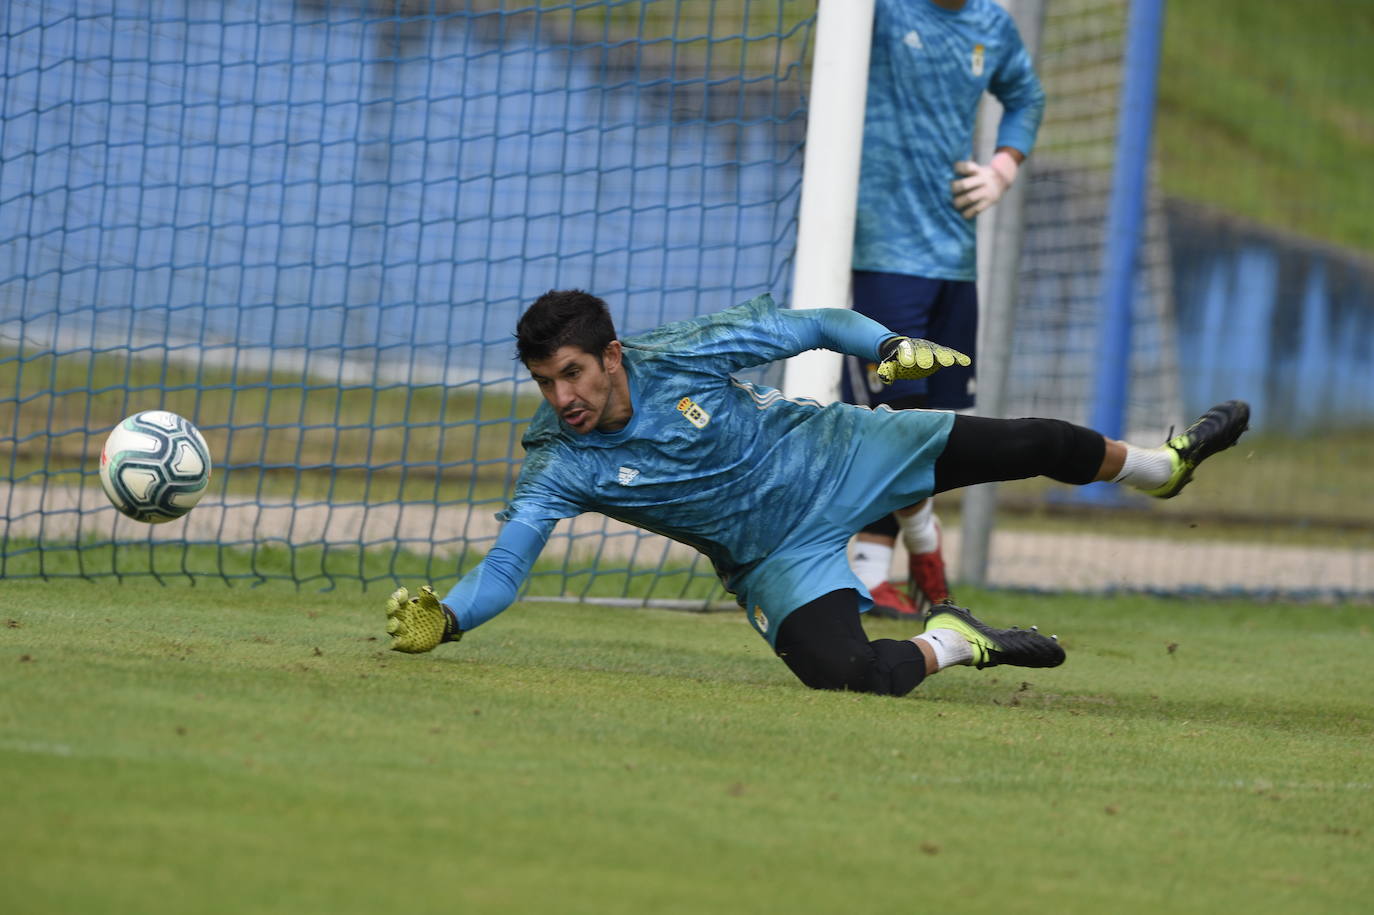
(914, 242)
(656, 432)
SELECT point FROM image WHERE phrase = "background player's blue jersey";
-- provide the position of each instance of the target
(731, 468)
(927, 71)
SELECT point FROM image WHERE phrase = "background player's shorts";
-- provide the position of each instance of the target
(945, 311)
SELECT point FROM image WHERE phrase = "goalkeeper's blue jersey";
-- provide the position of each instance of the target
(927, 71)
(768, 488)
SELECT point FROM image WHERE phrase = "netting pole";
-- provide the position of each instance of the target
(1126, 221)
(998, 314)
(830, 183)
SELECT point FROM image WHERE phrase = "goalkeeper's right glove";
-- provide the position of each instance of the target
(420, 623)
(906, 358)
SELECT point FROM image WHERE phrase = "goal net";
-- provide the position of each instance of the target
(310, 228)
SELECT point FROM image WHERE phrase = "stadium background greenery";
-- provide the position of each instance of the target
(1282, 146)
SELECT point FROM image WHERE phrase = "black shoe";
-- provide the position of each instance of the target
(1018, 647)
(1216, 430)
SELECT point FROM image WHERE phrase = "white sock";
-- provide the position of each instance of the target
(921, 529)
(1146, 468)
(872, 561)
(949, 646)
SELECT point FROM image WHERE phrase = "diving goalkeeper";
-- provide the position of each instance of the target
(655, 431)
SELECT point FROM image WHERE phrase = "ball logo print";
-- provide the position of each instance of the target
(155, 466)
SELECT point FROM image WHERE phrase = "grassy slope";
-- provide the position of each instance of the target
(1266, 110)
(255, 750)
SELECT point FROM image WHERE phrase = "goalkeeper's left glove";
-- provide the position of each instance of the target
(907, 358)
(420, 623)
(983, 185)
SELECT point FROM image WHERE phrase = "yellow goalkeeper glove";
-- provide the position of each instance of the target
(420, 623)
(907, 358)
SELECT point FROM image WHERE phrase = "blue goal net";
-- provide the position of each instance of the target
(310, 227)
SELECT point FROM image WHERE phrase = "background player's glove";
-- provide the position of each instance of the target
(906, 358)
(983, 185)
(420, 623)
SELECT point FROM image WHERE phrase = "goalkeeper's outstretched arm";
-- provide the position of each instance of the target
(849, 332)
(422, 622)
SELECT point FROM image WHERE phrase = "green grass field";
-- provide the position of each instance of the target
(207, 749)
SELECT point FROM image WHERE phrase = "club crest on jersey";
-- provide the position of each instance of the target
(760, 620)
(976, 61)
(626, 475)
(913, 40)
(694, 413)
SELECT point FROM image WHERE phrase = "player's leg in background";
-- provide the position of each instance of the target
(953, 322)
(871, 560)
(903, 305)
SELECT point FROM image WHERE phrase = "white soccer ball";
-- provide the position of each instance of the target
(155, 466)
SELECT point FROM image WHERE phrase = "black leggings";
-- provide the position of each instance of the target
(824, 642)
(825, 645)
(984, 450)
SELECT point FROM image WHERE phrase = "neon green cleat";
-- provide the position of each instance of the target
(420, 623)
(991, 647)
(908, 357)
(1216, 430)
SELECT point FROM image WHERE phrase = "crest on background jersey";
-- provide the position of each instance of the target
(912, 40)
(976, 62)
(760, 620)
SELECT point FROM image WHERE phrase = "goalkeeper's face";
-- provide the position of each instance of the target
(585, 391)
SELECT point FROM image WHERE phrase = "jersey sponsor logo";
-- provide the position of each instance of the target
(976, 62)
(693, 412)
(912, 40)
(760, 620)
(626, 475)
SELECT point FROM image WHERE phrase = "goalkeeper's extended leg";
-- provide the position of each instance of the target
(984, 450)
(419, 623)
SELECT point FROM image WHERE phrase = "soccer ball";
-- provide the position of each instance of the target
(155, 466)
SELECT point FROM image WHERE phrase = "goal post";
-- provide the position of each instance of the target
(830, 183)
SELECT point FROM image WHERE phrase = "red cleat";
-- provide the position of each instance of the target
(926, 582)
(889, 603)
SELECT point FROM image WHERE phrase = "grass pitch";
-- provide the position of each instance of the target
(212, 749)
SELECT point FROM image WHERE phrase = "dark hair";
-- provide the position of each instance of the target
(563, 317)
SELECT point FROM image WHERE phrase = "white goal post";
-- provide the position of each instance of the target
(830, 183)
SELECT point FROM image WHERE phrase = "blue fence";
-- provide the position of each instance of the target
(1288, 322)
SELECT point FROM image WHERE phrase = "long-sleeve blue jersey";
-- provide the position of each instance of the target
(928, 68)
(731, 468)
